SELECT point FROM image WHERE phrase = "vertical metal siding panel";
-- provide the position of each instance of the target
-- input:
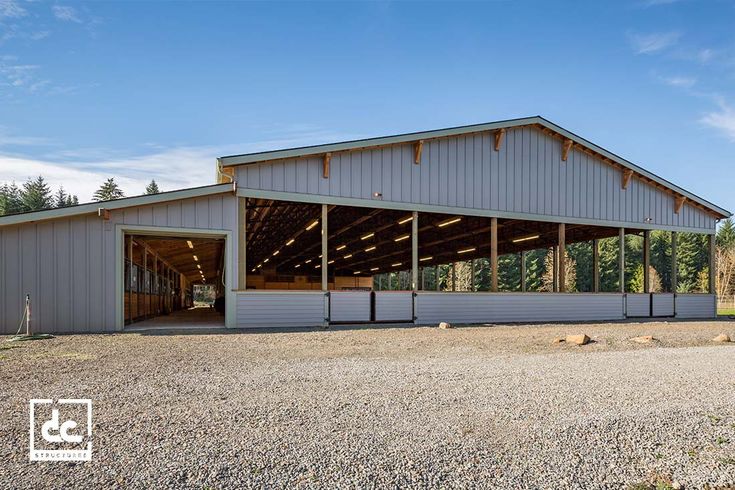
(215, 213)
(160, 215)
(548, 176)
(279, 176)
(335, 174)
(266, 176)
(202, 212)
(394, 163)
(289, 171)
(503, 158)
(253, 176)
(44, 309)
(80, 274)
(95, 278)
(523, 163)
(494, 180)
(356, 173)
(29, 261)
(189, 213)
(460, 162)
(404, 154)
(515, 172)
(531, 172)
(345, 173)
(479, 171)
(444, 172)
(322, 183)
(62, 239)
(314, 172)
(416, 183)
(173, 214)
(302, 175)
(109, 258)
(145, 215)
(425, 174)
(13, 302)
(435, 173)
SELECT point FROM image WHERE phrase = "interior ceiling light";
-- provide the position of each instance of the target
(199, 266)
(373, 269)
(297, 266)
(191, 245)
(196, 259)
(449, 222)
(369, 235)
(331, 262)
(306, 262)
(342, 247)
(288, 243)
(312, 225)
(525, 238)
(401, 238)
(317, 266)
(425, 258)
(276, 252)
(370, 249)
(356, 272)
(347, 256)
(254, 269)
(260, 265)
(405, 220)
(396, 264)
(266, 260)
(464, 251)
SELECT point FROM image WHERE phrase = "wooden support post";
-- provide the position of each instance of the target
(436, 277)
(674, 264)
(130, 279)
(627, 175)
(242, 266)
(562, 258)
(523, 271)
(155, 284)
(712, 264)
(418, 147)
(595, 265)
(143, 285)
(646, 261)
(499, 138)
(555, 268)
(415, 251)
(325, 165)
(325, 259)
(472, 275)
(621, 259)
(565, 147)
(454, 276)
(494, 254)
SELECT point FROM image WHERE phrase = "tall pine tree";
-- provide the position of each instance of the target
(36, 195)
(726, 234)
(10, 199)
(152, 188)
(108, 191)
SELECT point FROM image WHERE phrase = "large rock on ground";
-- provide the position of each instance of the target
(445, 325)
(577, 339)
(643, 339)
(723, 337)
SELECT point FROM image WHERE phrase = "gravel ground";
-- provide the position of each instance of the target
(491, 406)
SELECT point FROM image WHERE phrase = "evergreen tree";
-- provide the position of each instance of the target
(152, 188)
(570, 273)
(509, 272)
(661, 258)
(36, 195)
(726, 234)
(108, 191)
(10, 199)
(581, 254)
(637, 283)
(610, 264)
(61, 198)
(692, 258)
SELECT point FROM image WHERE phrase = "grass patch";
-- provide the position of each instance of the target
(726, 311)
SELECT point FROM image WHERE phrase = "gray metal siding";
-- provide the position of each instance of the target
(526, 176)
(67, 265)
(638, 305)
(393, 306)
(663, 304)
(516, 307)
(696, 306)
(280, 309)
(349, 306)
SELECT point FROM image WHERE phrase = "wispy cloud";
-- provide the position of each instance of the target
(656, 3)
(722, 120)
(66, 13)
(11, 9)
(679, 81)
(653, 43)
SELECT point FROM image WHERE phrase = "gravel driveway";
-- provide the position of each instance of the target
(492, 406)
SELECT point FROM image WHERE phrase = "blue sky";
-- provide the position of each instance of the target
(158, 90)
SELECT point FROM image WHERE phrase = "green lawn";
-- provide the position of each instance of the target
(726, 311)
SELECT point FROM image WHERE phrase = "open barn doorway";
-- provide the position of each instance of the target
(173, 281)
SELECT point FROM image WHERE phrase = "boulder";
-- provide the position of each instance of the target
(557, 340)
(723, 337)
(577, 339)
(643, 339)
(445, 325)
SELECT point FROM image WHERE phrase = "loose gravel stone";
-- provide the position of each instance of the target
(488, 406)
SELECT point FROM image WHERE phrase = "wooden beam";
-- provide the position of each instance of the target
(565, 147)
(325, 244)
(646, 261)
(418, 147)
(562, 258)
(678, 203)
(494, 254)
(627, 174)
(712, 264)
(242, 266)
(621, 259)
(325, 165)
(499, 138)
(523, 271)
(415, 251)
(595, 265)
(674, 263)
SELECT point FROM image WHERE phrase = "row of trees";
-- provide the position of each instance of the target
(692, 264)
(36, 194)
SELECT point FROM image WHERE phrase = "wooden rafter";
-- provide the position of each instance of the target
(678, 203)
(565, 147)
(418, 147)
(325, 165)
(499, 138)
(627, 174)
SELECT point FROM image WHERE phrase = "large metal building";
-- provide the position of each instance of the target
(303, 236)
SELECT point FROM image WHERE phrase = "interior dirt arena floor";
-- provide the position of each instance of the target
(474, 406)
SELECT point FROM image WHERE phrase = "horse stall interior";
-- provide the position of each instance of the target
(160, 274)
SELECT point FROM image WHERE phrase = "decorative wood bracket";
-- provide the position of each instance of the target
(499, 138)
(565, 147)
(325, 165)
(627, 174)
(678, 203)
(418, 147)
(104, 213)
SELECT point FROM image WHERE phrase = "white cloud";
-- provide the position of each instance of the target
(66, 13)
(653, 43)
(679, 81)
(11, 9)
(722, 120)
(655, 3)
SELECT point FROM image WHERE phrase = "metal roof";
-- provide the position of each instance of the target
(126, 202)
(265, 156)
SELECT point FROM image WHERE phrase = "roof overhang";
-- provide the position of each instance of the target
(105, 206)
(265, 156)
